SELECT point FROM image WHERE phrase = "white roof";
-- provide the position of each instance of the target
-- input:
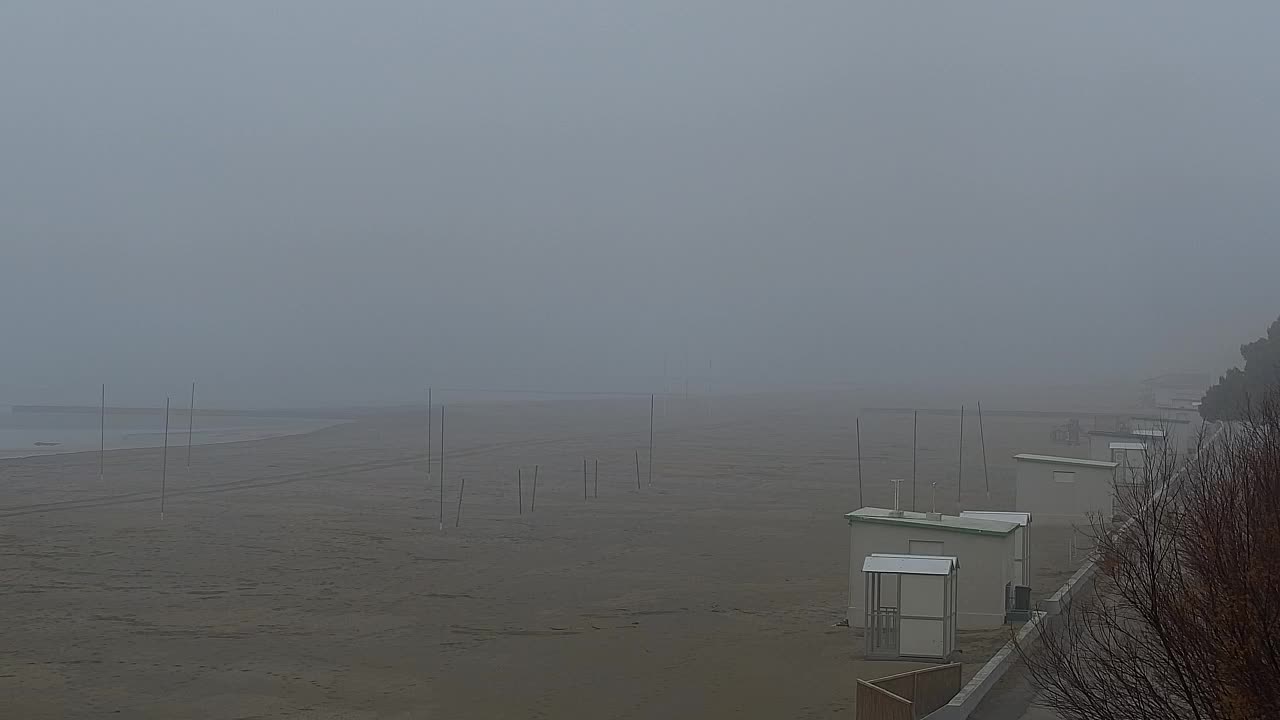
(1020, 518)
(951, 523)
(1055, 460)
(910, 564)
(1162, 418)
(1149, 432)
(1128, 446)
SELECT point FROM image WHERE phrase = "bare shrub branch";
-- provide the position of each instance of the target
(1183, 618)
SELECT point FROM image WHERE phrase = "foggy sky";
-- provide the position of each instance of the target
(317, 202)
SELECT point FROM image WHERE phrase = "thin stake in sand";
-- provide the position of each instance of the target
(191, 422)
(651, 439)
(666, 385)
(164, 457)
(637, 470)
(857, 425)
(102, 432)
(584, 478)
(986, 477)
(708, 389)
(915, 434)
(442, 467)
(428, 435)
(520, 489)
(428, 487)
(461, 489)
(686, 371)
(960, 462)
(596, 479)
(534, 499)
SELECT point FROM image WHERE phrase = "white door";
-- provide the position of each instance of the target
(922, 631)
(1019, 557)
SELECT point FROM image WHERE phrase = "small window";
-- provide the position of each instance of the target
(924, 547)
(1064, 476)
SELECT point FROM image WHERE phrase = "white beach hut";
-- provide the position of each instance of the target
(985, 548)
(1063, 490)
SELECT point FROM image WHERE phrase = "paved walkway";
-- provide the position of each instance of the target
(1013, 698)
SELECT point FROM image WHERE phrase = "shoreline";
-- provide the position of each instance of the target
(147, 439)
(265, 413)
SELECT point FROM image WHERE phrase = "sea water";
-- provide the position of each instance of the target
(27, 433)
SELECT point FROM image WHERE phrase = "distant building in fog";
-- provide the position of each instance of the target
(1100, 440)
(1062, 490)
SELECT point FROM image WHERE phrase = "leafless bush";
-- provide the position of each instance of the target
(1183, 619)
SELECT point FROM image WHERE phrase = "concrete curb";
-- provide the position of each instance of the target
(967, 700)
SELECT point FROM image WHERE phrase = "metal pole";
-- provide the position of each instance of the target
(637, 470)
(595, 479)
(858, 432)
(960, 471)
(651, 440)
(164, 457)
(461, 489)
(428, 434)
(982, 434)
(191, 422)
(915, 434)
(428, 487)
(534, 499)
(442, 467)
(520, 488)
(102, 432)
(584, 478)
(666, 385)
(708, 390)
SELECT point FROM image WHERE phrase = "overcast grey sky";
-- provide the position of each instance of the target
(317, 201)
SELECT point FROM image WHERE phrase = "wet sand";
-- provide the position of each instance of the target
(306, 576)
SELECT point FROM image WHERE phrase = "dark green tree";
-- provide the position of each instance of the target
(1229, 398)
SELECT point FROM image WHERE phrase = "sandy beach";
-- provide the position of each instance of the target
(306, 576)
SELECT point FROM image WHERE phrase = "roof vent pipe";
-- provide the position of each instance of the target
(933, 513)
(897, 499)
